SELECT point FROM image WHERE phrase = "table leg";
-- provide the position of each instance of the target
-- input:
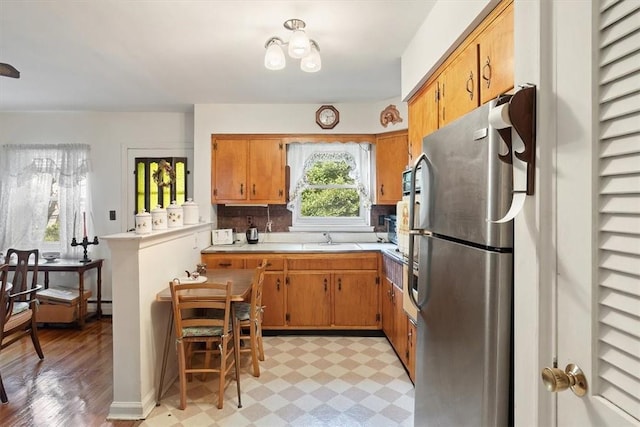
(165, 356)
(99, 284)
(82, 308)
(46, 280)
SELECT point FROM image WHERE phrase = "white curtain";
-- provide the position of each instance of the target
(302, 155)
(26, 176)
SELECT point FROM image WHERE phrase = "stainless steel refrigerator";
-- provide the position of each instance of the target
(465, 276)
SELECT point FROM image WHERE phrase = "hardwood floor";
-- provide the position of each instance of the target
(72, 386)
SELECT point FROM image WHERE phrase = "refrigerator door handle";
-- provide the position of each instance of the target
(412, 230)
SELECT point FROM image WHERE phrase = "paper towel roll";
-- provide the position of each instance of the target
(516, 206)
(499, 116)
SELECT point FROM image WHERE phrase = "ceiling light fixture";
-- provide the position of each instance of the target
(299, 47)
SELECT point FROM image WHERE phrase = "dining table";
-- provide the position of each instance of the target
(240, 279)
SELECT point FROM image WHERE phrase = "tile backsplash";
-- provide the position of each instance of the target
(236, 217)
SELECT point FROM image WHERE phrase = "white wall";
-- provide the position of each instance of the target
(106, 133)
(448, 23)
(275, 118)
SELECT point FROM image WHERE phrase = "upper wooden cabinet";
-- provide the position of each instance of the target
(479, 70)
(247, 170)
(496, 56)
(423, 117)
(392, 155)
(459, 86)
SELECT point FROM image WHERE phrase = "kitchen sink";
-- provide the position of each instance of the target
(331, 246)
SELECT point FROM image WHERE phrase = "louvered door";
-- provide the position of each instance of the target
(598, 212)
(618, 292)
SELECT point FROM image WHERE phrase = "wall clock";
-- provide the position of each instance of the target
(327, 117)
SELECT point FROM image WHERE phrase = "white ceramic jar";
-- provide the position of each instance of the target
(190, 210)
(175, 215)
(159, 218)
(143, 222)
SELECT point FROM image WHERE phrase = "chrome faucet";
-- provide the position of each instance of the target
(328, 237)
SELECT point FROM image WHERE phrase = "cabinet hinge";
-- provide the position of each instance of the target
(287, 317)
(215, 192)
(378, 317)
(287, 282)
(377, 280)
(280, 146)
(215, 146)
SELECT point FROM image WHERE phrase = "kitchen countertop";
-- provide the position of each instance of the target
(285, 247)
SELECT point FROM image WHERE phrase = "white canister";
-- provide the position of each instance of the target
(143, 222)
(190, 210)
(159, 218)
(175, 215)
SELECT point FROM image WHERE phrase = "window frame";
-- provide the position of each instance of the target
(360, 223)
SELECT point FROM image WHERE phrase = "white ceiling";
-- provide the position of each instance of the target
(154, 55)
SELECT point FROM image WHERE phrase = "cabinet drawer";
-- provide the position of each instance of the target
(273, 264)
(334, 263)
(222, 262)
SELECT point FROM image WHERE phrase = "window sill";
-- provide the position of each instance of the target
(334, 227)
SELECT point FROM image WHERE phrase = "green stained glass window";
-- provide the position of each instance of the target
(159, 181)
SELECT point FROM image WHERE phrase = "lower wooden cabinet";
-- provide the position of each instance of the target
(273, 299)
(314, 291)
(308, 299)
(411, 349)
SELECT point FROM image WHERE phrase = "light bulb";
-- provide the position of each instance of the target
(274, 58)
(299, 45)
(312, 62)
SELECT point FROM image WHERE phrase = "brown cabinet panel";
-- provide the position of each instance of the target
(496, 57)
(366, 261)
(246, 170)
(275, 262)
(266, 166)
(392, 156)
(229, 169)
(411, 351)
(459, 87)
(355, 299)
(222, 261)
(308, 299)
(388, 317)
(273, 299)
(423, 117)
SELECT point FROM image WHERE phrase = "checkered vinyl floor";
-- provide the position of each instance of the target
(305, 381)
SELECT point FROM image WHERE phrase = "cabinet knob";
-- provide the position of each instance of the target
(241, 189)
(278, 284)
(382, 189)
(254, 189)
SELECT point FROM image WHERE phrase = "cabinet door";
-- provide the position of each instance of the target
(400, 326)
(355, 299)
(273, 299)
(459, 86)
(411, 351)
(423, 118)
(388, 313)
(308, 299)
(266, 170)
(496, 56)
(229, 174)
(392, 155)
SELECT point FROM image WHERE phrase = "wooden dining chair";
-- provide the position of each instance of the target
(249, 316)
(17, 318)
(199, 334)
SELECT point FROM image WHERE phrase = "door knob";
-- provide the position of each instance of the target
(555, 379)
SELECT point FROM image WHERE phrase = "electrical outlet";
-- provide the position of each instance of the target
(249, 220)
(112, 215)
(381, 219)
